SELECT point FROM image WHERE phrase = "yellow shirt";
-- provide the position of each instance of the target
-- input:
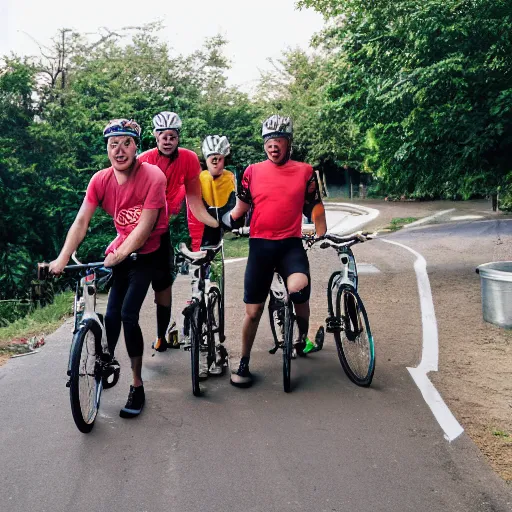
(217, 192)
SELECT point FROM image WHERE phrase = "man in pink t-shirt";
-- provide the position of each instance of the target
(279, 190)
(133, 194)
(181, 168)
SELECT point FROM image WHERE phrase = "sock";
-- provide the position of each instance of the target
(245, 360)
(303, 325)
(163, 316)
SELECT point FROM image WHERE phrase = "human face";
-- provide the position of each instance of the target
(276, 149)
(167, 141)
(215, 164)
(121, 152)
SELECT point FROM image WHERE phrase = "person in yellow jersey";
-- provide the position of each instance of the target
(218, 189)
(217, 185)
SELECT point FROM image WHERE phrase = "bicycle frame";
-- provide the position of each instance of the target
(346, 275)
(85, 304)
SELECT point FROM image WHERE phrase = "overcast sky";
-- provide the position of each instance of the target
(255, 30)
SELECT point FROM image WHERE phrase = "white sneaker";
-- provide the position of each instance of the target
(215, 369)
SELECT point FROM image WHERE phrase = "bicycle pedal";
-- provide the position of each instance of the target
(333, 324)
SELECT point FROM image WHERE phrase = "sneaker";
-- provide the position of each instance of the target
(160, 345)
(310, 346)
(299, 348)
(215, 369)
(134, 404)
(242, 378)
(203, 365)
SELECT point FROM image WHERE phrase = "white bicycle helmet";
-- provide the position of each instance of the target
(215, 145)
(167, 121)
(277, 126)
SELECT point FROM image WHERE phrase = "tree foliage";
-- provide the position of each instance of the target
(427, 87)
(52, 113)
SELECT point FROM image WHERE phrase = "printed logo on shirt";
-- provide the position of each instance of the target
(129, 216)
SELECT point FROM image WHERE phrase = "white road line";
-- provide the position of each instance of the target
(427, 219)
(349, 218)
(367, 268)
(234, 260)
(430, 351)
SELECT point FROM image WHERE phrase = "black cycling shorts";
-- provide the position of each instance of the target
(266, 256)
(164, 271)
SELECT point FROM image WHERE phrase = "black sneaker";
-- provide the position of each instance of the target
(242, 378)
(134, 404)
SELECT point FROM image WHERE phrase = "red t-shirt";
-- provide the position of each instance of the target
(178, 170)
(277, 194)
(144, 189)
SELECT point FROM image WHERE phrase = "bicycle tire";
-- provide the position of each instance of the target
(331, 286)
(214, 321)
(196, 334)
(289, 320)
(222, 323)
(355, 344)
(85, 375)
(276, 318)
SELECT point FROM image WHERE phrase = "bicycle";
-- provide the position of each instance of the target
(90, 366)
(204, 316)
(348, 321)
(283, 323)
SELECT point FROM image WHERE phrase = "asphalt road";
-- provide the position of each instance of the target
(327, 446)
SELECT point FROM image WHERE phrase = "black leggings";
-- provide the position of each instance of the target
(130, 285)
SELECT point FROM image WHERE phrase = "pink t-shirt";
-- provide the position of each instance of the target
(277, 193)
(144, 189)
(178, 170)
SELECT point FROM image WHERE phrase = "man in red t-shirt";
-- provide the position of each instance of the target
(181, 168)
(133, 194)
(279, 190)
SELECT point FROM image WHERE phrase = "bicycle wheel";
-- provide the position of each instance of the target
(354, 340)
(214, 322)
(85, 383)
(289, 322)
(276, 317)
(197, 327)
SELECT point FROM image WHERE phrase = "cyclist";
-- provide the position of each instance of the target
(181, 168)
(133, 193)
(218, 190)
(279, 190)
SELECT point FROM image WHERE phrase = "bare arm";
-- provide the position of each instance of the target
(136, 239)
(319, 219)
(74, 237)
(240, 209)
(195, 201)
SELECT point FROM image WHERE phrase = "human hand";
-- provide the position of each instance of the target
(56, 267)
(112, 260)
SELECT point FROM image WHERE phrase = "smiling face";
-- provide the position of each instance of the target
(167, 141)
(277, 149)
(215, 164)
(121, 152)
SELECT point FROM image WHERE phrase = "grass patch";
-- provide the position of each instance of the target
(502, 434)
(399, 222)
(235, 246)
(42, 320)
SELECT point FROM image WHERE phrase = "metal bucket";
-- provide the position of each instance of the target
(496, 281)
